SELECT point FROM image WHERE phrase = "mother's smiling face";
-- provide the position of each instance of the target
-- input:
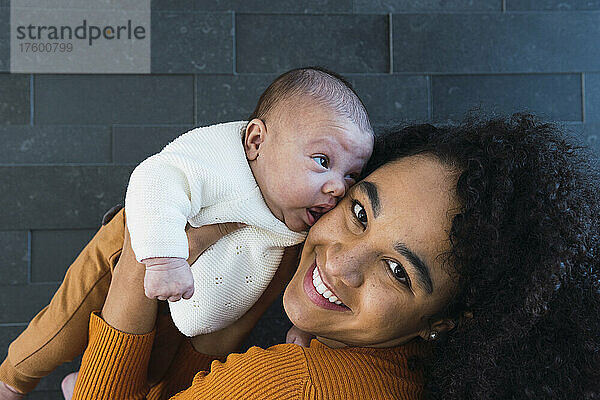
(377, 253)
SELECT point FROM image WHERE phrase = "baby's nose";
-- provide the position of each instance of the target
(336, 187)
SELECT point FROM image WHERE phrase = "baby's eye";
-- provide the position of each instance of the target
(321, 160)
(359, 213)
(398, 272)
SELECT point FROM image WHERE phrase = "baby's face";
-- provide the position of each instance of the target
(307, 161)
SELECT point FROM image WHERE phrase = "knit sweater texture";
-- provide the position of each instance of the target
(115, 364)
(203, 178)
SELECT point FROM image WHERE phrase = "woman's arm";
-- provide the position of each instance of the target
(116, 360)
(122, 341)
(126, 307)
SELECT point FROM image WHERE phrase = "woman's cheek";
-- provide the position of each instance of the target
(389, 308)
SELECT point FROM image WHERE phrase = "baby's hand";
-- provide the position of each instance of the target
(168, 278)
(296, 336)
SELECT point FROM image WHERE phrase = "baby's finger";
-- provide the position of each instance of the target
(162, 297)
(188, 293)
(174, 298)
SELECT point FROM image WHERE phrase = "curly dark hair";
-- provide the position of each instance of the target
(526, 247)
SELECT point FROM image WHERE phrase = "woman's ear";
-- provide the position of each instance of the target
(253, 138)
(437, 329)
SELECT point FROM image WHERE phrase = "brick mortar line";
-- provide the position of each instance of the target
(195, 100)
(429, 98)
(49, 283)
(382, 12)
(549, 11)
(233, 45)
(78, 165)
(29, 234)
(494, 73)
(141, 125)
(112, 144)
(583, 97)
(31, 99)
(391, 42)
(13, 324)
(398, 73)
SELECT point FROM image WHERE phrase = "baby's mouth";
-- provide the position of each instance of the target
(313, 215)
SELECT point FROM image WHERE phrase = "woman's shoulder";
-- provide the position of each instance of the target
(278, 372)
(365, 372)
(403, 356)
(286, 371)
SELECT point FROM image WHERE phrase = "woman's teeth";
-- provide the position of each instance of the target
(322, 289)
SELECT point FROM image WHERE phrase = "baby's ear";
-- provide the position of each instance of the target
(253, 138)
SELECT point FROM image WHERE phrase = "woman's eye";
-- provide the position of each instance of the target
(351, 177)
(398, 271)
(359, 213)
(322, 161)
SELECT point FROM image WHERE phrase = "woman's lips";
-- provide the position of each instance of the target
(315, 296)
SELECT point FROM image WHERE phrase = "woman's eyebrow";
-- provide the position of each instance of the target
(421, 267)
(370, 189)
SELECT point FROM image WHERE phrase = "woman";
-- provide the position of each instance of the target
(467, 253)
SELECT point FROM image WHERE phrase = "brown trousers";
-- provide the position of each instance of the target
(59, 332)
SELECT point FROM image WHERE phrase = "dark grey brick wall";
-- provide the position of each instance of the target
(69, 142)
(345, 43)
(24, 144)
(112, 99)
(184, 36)
(592, 97)
(14, 104)
(555, 97)
(496, 42)
(14, 258)
(133, 144)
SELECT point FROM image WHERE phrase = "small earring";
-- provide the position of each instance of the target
(433, 335)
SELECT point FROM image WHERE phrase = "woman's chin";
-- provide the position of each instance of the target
(292, 309)
(296, 311)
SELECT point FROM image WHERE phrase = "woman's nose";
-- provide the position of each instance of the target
(345, 263)
(335, 186)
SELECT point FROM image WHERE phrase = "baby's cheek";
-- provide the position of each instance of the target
(297, 193)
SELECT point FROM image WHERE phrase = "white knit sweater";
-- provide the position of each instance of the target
(203, 178)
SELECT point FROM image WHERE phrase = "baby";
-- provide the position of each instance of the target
(305, 144)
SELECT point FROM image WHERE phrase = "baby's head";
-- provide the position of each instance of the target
(307, 143)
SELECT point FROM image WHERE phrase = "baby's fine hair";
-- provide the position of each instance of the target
(325, 87)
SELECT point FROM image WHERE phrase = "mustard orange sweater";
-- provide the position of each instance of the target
(114, 366)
